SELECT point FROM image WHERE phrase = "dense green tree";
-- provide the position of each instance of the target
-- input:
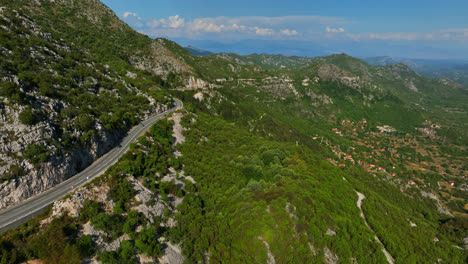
(36, 153)
(27, 116)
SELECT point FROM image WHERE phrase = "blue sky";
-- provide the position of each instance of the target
(411, 28)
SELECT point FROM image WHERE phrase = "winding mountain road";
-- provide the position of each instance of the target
(14, 216)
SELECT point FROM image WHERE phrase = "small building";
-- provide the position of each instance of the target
(452, 183)
(342, 165)
(372, 165)
(411, 182)
(393, 174)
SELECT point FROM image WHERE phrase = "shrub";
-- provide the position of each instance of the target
(127, 252)
(121, 191)
(85, 122)
(90, 209)
(36, 153)
(85, 245)
(14, 172)
(133, 220)
(107, 222)
(109, 257)
(8, 89)
(27, 117)
(147, 242)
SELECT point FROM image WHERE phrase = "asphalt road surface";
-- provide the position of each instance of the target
(18, 214)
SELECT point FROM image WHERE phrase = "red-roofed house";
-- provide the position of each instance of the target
(452, 183)
(342, 165)
(411, 183)
(372, 165)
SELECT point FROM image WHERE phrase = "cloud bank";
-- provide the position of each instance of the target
(321, 31)
(309, 28)
(286, 27)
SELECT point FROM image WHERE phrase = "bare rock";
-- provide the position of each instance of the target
(330, 258)
(172, 255)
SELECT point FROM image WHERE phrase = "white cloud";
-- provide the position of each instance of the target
(129, 14)
(305, 28)
(204, 25)
(287, 32)
(172, 22)
(263, 31)
(335, 30)
(175, 22)
(287, 27)
(211, 25)
(133, 19)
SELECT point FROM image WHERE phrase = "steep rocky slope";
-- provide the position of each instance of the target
(60, 108)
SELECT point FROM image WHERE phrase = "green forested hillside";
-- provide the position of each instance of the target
(264, 165)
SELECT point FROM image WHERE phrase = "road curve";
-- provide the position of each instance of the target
(14, 216)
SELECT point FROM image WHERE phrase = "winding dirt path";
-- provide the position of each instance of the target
(384, 250)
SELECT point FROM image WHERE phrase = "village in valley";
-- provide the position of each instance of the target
(408, 160)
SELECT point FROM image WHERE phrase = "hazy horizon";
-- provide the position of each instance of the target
(419, 29)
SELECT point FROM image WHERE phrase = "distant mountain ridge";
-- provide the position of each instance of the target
(197, 51)
(456, 70)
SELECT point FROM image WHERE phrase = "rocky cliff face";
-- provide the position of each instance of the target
(59, 108)
(160, 61)
(38, 178)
